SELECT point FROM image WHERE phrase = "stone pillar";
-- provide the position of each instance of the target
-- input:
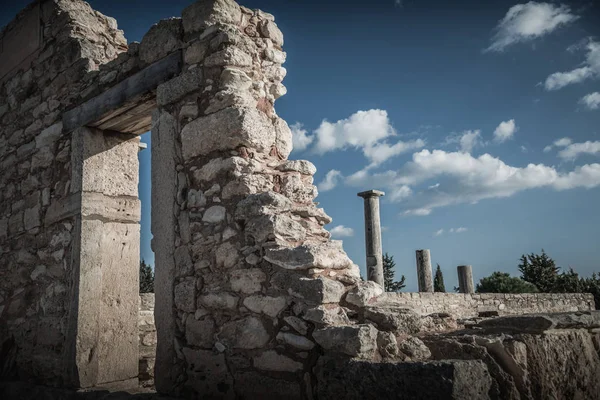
(373, 236)
(465, 279)
(424, 274)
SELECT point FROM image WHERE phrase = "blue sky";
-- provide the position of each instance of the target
(455, 109)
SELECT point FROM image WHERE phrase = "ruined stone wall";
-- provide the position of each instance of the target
(465, 305)
(147, 339)
(36, 228)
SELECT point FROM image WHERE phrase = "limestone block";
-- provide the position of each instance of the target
(203, 14)
(296, 190)
(185, 295)
(227, 255)
(302, 166)
(281, 228)
(315, 291)
(296, 341)
(235, 79)
(49, 135)
(363, 293)
(387, 344)
(356, 341)
(162, 39)
(284, 137)
(296, 323)
(218, 301)
(247, 280)
(200, 333)
(230, 56)
(246, 333)
(226, 130)
(214, 214)
(327, 315)
(208, 373)
(270, 360)
(178, 87)
(270, 30)
(415, 349)
(209, 171)
(195, 52)
(267, 305)
(395, 319)
(325, 255)
(262, 203)
(246, 185)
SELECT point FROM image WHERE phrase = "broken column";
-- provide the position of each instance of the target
(465, 279)
(424, 274)
(373, 236)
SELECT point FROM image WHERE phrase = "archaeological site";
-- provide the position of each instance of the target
(253, 300)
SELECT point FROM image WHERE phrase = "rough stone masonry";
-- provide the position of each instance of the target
(253, 298)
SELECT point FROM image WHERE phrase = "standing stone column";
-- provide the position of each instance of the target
(373, 236)
(424, 274)
(465, 279)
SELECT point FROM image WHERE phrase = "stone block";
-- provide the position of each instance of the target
(313, 291)
(200, 333)
(325, 255)
(226, 130)
(401, 320)
(296, 341)
(185, 295)
(356, 341)
(218, 301)
(247, 333)
(267, 305)
(162, 39)
(202, 14)
(247, 281)
(178, 87)
(364, 293)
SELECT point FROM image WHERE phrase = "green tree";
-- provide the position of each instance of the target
(539, 270)
(502, 282)
(569, 282)
(592, 285)
(388, 275)
(438, 281)
(146, 278)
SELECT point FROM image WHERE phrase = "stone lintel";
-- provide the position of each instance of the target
(371, 193)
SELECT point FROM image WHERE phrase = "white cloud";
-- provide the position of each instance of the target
(364, 130)
(563, 142)
(591, 101)
(524, 149)
(439, 232)
(451, 230)
(397, 194)
(470, 179)
(437, 185)
(341, 231)
(590, 69)
(300, 138)
(574, 150)
(330, 181)
(505, 131)
(467, 140)
(460, 230)
(525, 22)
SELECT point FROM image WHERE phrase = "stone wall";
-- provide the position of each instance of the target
(147, 339)
(465, 305)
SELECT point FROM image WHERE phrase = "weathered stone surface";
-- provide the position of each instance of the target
(352, 379)
(267, 305)
(296, 341)
(214, 214)
(402, 320)
(226, 130)
(268, 203)
(246, 333)
(299, 325)
(208, 373)
(281, 228)
(270, 360)
(415, 349)
(387, 344)
(175, 89)
(162, 39)
(316, 291)
(310, 255)
(270, 30)
(302, 166)
(203, 14)
(247, 280)
(218, 301)
(540, 323)
(185, 295)
(327, 315)
(226, 255)
(363, 293)
(200, 333)
(356, 341)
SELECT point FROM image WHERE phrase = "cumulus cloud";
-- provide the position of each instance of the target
(341, 231)
(330, 181)
(574, 150)
(399, 193)
(451, 230)
(505, 131)
(589, 69)
(525, 22)
(300, 138)
(591, 101)
(364, 130)
(563, 142)
(471, 179)
(466, 140)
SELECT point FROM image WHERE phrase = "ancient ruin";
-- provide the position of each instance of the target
(253, 298)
